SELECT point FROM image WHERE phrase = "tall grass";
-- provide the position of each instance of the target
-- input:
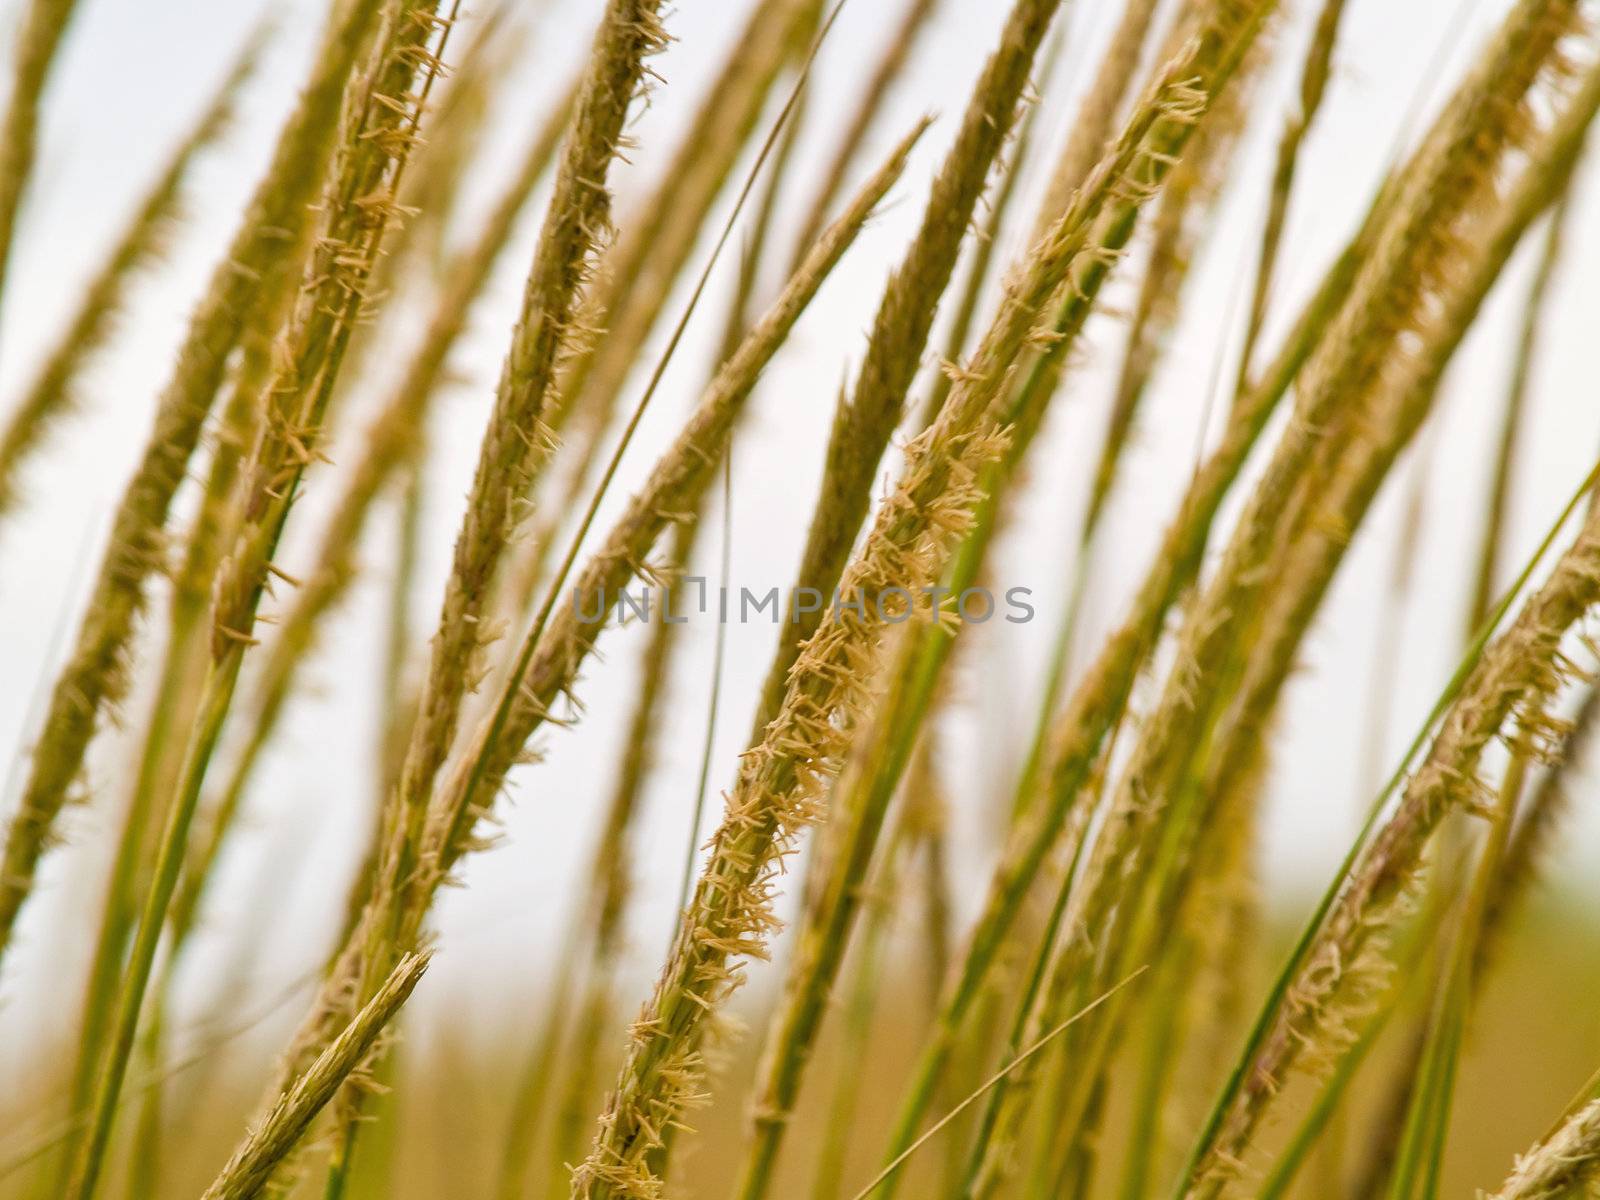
(1053, 948)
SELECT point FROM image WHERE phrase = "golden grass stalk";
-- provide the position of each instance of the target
(1113, 907)
(777, 793)
(50, 395)
(1537, 823)
(172, 711)
(1387, 299)
(250, 1169)
(865, 422)
(1534, 313)
(44, 22)
(548, 662)
(1096, 119)
(674, 487)
(638, 274)
(1099, 701)
(514, 443)
(886, 72)
(1561, 1164)
(1357, 916)
(254, 270)
(390, 443)
(1517, 674)
(1314, 73)
(376, 139)
(601, 917)
(987, 241)
(1342, 501)
(1175, 231)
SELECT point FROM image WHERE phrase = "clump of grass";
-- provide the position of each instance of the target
(1118, 834)
(259, 262)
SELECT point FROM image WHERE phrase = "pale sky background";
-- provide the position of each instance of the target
(133, 76)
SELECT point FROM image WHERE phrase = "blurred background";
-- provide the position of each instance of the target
(131, 79)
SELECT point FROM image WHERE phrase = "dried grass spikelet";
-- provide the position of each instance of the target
(1542, 815)
(390, 441)
(360, 205)
(782, 776)
(1516, 677)
(1314, 74)
(1390, 294)
(44, 22)
(636, 278)
(674, 487)
(1562, 1164)
(552, 665)
(835, 893)
(576, 220)
(251, 1167)
(1179, 220)
(258, 266)
(1100, 701)
(50, 394)
(376, 135)
(1095, 120)
(1400, 401)
(867, 419)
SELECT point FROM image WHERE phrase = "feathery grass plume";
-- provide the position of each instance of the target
(1175, 229)
(1516, 677)
(376, 138)
(631, 259)
(601, 917)
(445, 154)
(1541, 815)
(1315, 70)
(674, 486)
(250, 1169)
(636, 277)
(576, 219)
(50, 395)
(859, 802)
(390, 442)
(1115, 907)
(1560, 1165)
(865, 422)
(433, 182)
(44, 22)
(547, 668)
(1095, 122)
(1387, 300)
(1100, 699)
(1399, 403)
(1511, 420)
(255, 269)
(1340, 505)
(986, 242)
(172, 708)
(776, 794)
(886, 72)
